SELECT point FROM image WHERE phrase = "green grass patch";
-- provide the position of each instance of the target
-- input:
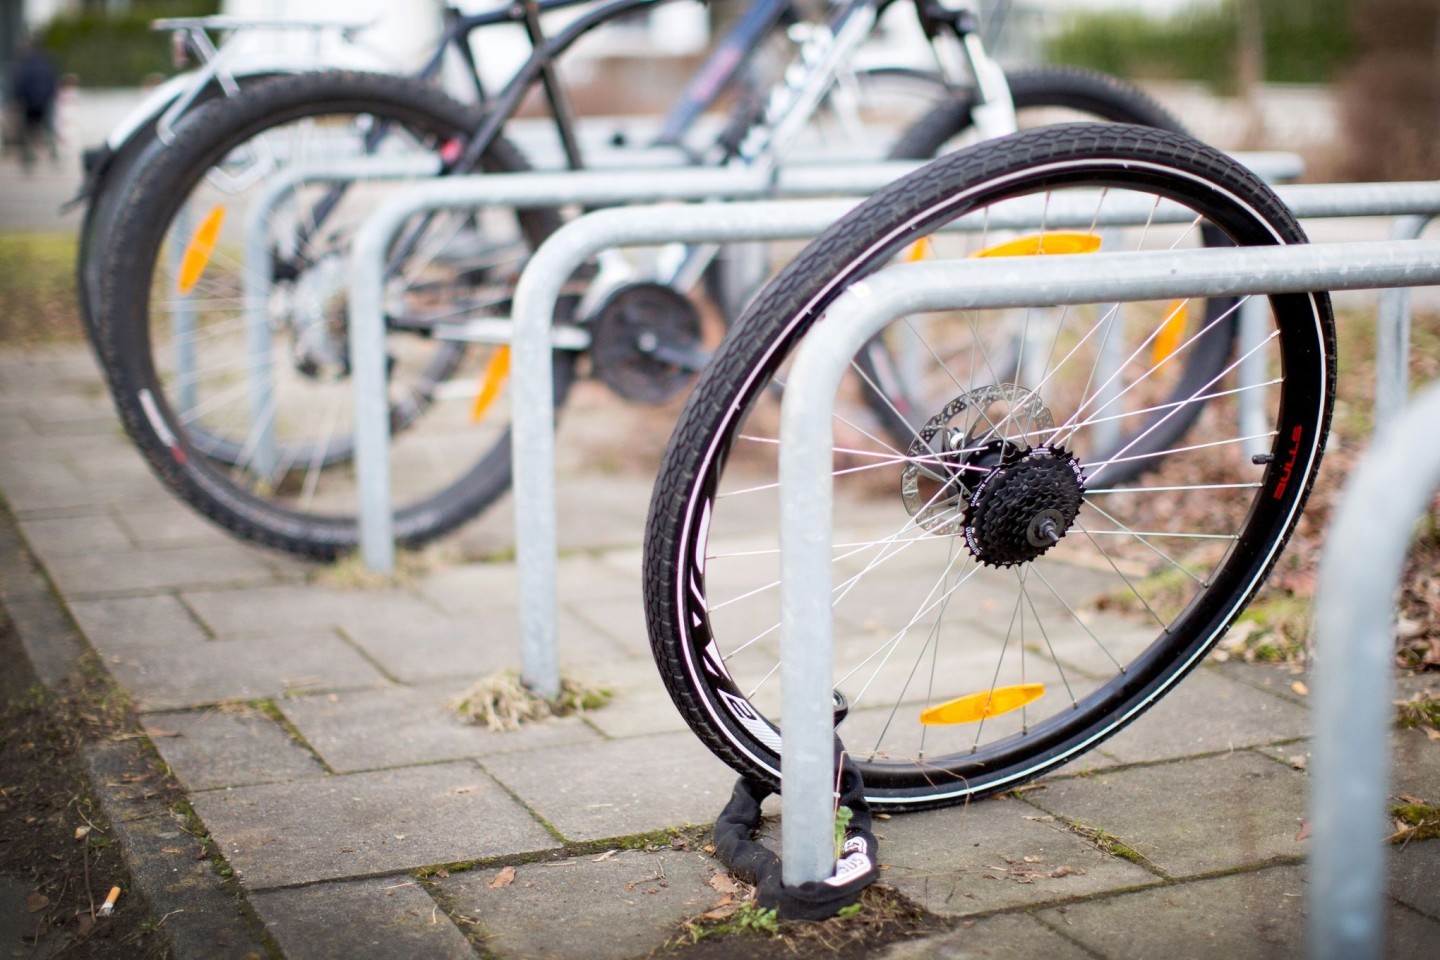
(1421, 713)
(1415, 821)
(37, 286)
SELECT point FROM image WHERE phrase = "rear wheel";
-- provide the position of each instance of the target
(1000, 605)
(1046, 96)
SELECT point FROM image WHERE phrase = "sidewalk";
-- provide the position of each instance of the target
(307, 724)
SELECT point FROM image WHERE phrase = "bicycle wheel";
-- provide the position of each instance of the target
(243, 406)
(999, 605)
(108, 185)
(1045, 96)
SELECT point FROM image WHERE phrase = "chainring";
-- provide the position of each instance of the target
(631, 333)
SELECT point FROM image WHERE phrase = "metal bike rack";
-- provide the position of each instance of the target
(257, 275)
(539, 289)
(806, 485)
(1360, 570)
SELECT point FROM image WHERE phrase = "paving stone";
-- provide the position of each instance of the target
(619, 788)
(472, 645)
(1414, 868)
(137, 570)
(223, 670)
(1006, 937)
(639, 704)
(1414, 762)
(624, 906)
(973, 859)
(169, 523)
(1207, 713)
(71, 536)
(1200, 816)
(593, 512)
(621, 619)
(469, 587)
(1259, 914)
(276, 609)
(125, 626)
(363, 824)
(370, 729)
(234, 747)
(376, 919)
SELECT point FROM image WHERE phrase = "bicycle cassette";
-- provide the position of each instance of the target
(645, 342)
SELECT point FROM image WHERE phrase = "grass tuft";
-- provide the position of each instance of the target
(502, 702)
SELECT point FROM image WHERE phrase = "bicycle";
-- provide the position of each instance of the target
(1000, 604)
(195, 419)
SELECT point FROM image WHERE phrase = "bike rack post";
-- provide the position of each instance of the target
(258, 275)
(1392, 334)
(1354, 614)
(807, 438)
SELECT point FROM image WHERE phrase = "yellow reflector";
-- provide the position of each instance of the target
(1167, 341)
(919, 250)
(1043, 244)
(987, 703)
(492, 378)
(200, 249)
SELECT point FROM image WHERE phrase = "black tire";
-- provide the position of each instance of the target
(1125, 610)
(300, 496)
(107, 187)
(1045, 95)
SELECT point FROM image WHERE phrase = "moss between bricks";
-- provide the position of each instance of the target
(1415, 821)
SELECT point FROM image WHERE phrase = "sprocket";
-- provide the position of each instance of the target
(1023, 508)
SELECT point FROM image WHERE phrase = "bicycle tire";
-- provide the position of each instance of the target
(187, 441)
(710, 556)
(1039, 93)
(108, 188)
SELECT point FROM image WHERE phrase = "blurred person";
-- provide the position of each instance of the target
(34, 87)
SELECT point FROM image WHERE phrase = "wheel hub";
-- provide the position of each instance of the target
(1024, 507)
(1010, 499)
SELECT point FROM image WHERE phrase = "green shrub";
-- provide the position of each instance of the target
(118, 49)
(1305, 41)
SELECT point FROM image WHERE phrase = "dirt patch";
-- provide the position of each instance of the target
(58, 856)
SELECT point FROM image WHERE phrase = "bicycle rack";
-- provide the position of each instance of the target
(806, 502)
(1215, 272)
(1360, 570)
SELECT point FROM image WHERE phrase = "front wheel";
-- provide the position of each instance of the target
(1000, 605)
(226, 319)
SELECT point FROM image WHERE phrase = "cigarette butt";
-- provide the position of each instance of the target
(108, 907)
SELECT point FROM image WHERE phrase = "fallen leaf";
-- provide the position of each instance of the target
(1432, 734)
(721, 912)
(1059, 872)
(722, 883)
(1411, 799)
(503, 879)
(82, 832)
(1300, 688)
(87, 922)
(442, 873)
(1034, 859)
(157, 732)
(1304, 833)
(606, 855)
(35, 901)
(1299, 761)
